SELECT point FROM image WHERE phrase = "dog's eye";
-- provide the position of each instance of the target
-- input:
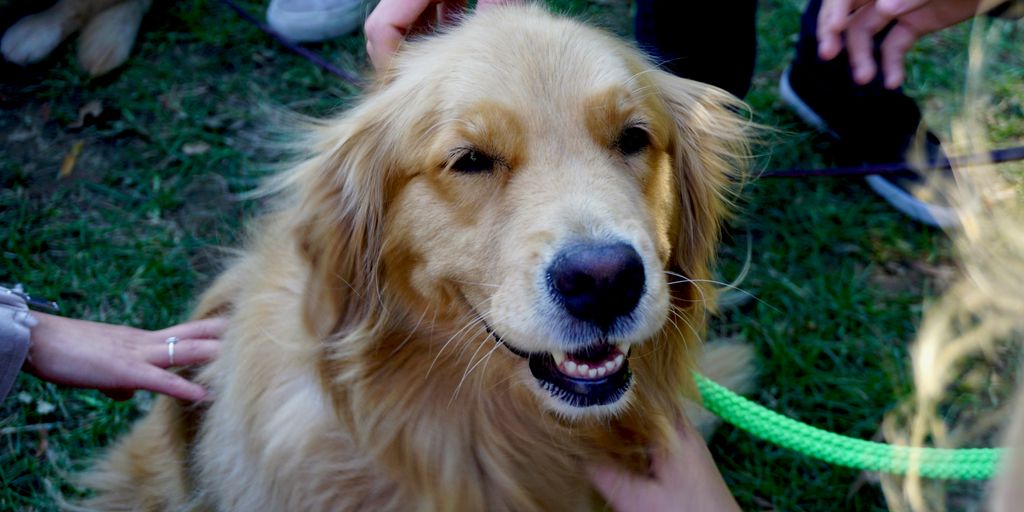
(632, 140)
(473, 161)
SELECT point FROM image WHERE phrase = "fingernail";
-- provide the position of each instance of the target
(862, 75)
(825, 51)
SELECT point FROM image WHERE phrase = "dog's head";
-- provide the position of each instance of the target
(535, 178)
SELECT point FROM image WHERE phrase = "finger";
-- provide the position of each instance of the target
(388, 24)
(832, 20)
(894, 48)
(186, 353)
(154, 379)
(207, 328)
(831, 23)
(896, 7)
(620, 488)
(860, 42)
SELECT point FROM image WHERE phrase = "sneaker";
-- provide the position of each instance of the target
(305, 21)
(873, 125)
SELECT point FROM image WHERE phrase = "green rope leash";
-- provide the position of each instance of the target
(946, 464)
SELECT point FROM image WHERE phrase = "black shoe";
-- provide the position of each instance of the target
(872, 125)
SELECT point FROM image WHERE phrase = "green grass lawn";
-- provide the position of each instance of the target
(135, 231)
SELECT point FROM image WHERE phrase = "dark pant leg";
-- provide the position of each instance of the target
(711, 41)
(872, 123)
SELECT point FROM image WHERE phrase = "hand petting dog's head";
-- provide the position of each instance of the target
(536, 181)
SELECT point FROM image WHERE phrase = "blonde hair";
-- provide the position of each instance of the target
(967, 353)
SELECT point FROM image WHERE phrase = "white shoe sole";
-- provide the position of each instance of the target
(307, 27)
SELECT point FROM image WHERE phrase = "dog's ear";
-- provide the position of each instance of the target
(336, 212)
(710, 148)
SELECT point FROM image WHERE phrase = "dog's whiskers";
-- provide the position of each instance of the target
(411, 333)
(701, 300)
(684, 279)
(470, 369)
(676, 314)
(729, 286)
(349, 285)
(478, 320)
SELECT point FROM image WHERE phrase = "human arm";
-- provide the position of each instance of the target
(684, 479)
(119, 360)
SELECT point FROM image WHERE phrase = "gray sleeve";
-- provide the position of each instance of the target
(15, 327)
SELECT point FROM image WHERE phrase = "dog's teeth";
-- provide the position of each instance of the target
(559, 357)
(610, 366)
(601, 371)
(570, 367)
(619, 359)
(592, 373)
(583, 369)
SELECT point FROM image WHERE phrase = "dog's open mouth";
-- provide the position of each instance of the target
(595, 375)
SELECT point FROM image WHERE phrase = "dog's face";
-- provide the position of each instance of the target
(540, 180)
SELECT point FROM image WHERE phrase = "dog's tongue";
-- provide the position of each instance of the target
(591, 363)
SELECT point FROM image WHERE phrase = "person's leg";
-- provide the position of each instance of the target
(870, 124)
(711, 42)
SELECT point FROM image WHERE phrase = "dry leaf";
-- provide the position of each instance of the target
(91, 109)
(70, 159)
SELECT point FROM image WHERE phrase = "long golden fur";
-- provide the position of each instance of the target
(358, 372)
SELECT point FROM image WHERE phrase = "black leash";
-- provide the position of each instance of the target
(311, 56)
(996, 156)
(993, 157)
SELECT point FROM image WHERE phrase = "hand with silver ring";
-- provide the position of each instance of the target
(170, 349)
(119, 360)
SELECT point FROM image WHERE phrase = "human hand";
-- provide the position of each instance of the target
(392, 20)
(685, 478)
(860, 20)
(119, 360)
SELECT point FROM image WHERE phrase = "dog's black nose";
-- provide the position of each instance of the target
(598, 283)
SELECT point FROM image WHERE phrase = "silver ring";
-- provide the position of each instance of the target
(170, 348)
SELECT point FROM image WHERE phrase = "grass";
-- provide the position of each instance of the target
(133, 233)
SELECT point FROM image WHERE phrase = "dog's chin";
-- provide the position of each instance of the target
(593, 381)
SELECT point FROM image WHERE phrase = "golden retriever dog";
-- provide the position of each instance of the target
(489, 273)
